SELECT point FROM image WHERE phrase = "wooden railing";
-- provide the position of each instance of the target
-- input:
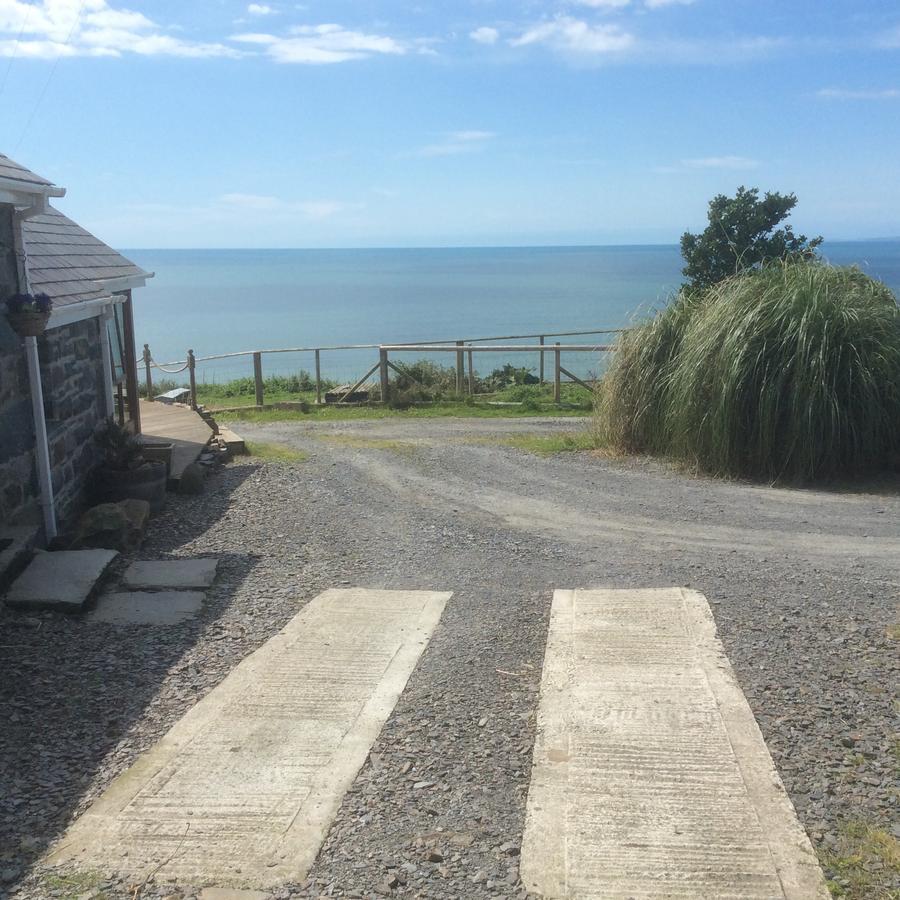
(464, 349)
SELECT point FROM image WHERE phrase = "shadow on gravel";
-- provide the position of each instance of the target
(72, 691)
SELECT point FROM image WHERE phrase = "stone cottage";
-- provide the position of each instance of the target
(54, 389)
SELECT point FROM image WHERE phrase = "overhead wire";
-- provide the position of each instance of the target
(43, 92)
(15, 51)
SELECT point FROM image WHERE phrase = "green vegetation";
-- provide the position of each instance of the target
(276, 452)
(403, 448)
(436, 410)
(422, 382)
(742, 235)
(548, 444)
(789, 372)
(866, 865)
(74, 886)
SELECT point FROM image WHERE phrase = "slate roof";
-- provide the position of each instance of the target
(13, 171)
(68, 263)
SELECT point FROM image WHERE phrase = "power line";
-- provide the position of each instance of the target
(43, 92)
(15, 52)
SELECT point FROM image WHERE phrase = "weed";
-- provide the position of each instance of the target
(276, 452)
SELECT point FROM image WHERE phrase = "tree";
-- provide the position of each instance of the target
(741, 235)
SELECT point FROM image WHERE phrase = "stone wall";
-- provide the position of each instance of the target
(74, 392)
(18, 478)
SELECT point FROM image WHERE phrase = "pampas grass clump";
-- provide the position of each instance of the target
(788, 373)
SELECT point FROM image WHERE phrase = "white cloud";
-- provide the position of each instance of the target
(890, 39)
(484, 35)
(313, 210)
(720, 162)
(259, 9)
(49, 29)
(842, 94)
(657, 4)
(604, 4)
(457, 142)
(323, 44)
(571, 35)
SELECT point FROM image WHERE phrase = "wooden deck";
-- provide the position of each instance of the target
(179, 425)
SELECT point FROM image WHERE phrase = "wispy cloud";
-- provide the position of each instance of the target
(314, 210)
(604, 4)
(457, 142)
(658, 4)
(50, 29)
(728, 163)
(259, 9)
(323, 44)
(845, 94)
(889, 39)
(721, 162)
(484, 35)
(569, 35)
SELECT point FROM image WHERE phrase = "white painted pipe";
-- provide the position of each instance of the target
(41, 444)
(103, 324)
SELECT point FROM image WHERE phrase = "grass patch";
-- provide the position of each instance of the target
(549, 444)
(74, 885)
(866, 866)
(893, 632)
(438, 410)
(788, 373)
(404, 448)
(276, 452)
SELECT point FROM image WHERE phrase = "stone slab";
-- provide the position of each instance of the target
(241, 791)
(146, 607)
(61, 580)
(160, 574)
(650, 775)
(232, 894)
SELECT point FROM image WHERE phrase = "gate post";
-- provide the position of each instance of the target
(192, 374)
(258, 377)
(149, 380)
(383, 366)
(556, 374)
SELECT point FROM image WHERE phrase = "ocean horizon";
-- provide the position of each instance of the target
(218, 301)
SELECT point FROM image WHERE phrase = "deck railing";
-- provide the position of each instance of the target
(464, 350)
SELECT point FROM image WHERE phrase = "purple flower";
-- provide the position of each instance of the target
(22, 303)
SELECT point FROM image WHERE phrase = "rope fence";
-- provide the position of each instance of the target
(464, 349)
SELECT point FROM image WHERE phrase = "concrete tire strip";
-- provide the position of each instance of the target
(651, 778)
(242, 790)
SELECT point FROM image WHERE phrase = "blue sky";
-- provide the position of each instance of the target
(370, 123)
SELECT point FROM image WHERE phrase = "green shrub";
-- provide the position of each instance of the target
(791, 372)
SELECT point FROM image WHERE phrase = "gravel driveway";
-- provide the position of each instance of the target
(803, 585)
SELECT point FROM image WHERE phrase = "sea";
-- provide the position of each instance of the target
(227, 301)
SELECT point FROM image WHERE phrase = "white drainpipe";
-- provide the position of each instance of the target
(42, 446)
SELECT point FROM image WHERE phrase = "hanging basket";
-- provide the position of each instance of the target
(28, 323)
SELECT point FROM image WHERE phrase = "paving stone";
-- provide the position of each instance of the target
(247, 783)
(147, 607)
(170, 573)
(62, 580)
(650, 776)
(214, 893)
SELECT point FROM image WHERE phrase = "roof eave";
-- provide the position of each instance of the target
(22, 193)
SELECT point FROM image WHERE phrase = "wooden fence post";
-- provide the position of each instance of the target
(556, 374)
(192, 374)
(471, 374)
(147, 358)
(541, 342)
(258, 377)
(318, 380)
(383, 366)
(460, 369)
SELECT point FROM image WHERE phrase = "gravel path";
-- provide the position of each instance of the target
(803, 584)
